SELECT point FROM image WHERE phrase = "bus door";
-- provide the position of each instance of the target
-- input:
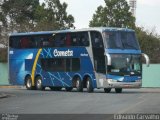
(98, 58)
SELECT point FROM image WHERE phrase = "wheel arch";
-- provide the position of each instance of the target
(38, 75)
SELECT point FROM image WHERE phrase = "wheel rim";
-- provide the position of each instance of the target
(77, 83)
(39, 83)
(29, 84)
(88, 84)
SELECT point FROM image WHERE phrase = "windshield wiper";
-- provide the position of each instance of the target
(128, 45)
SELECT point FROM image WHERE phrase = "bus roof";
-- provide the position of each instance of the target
(100, 29)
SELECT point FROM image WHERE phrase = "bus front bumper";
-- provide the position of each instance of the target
(115, 84)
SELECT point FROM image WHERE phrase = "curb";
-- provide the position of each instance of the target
(9, 86)
(3, 95)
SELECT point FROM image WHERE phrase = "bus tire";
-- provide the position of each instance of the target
(79, 85)
(28, 83)
(38, 83)
(89, 85)
(107, 90)
(68, 89)
(118, 90)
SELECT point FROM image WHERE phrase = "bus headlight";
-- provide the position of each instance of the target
(111, 80)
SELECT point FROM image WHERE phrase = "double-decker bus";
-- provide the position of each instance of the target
(87, 58)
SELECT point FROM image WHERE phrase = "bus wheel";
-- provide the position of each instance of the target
(118, 90)
(68, 89)
(107, 90)
(28, 83)
(78, 85)
(89, 85)
(38, 83)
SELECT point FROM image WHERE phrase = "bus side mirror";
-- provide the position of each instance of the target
(109, 61)
(146, 58)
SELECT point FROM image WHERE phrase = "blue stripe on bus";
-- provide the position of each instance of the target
(123, 78)
(130, 51)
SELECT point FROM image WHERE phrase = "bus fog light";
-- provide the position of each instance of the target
(138, 80)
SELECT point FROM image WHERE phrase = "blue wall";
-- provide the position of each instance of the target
(151, 76)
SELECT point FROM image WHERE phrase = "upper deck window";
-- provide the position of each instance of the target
(31, 41)
(50, 40)
(71, 39)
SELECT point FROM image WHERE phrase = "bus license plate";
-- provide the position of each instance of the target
(127, 86)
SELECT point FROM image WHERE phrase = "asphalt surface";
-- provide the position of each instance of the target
(22, 101)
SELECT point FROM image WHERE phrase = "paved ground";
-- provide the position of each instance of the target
(20, 100)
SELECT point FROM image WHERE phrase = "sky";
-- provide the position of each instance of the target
(147, 12)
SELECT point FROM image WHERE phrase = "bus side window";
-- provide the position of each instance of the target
(51, 41)
(80, 39)
(59, 40)
(84, 39)
(14, 42)
(62, 41)
(97, 41)
(74, 39)
(45, 42)
(68, 40)
(25, 42)
(11, 42)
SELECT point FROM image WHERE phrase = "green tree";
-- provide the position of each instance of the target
(19, 14)
(3, 54)
(52, 15)
(30, 15)
(114, 14)
(149, 43)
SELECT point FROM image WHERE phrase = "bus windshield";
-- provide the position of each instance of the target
(121, 40)
(125, 65)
